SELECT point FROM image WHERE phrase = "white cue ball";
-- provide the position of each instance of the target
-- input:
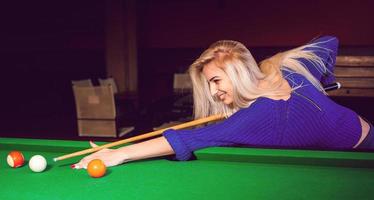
(37, 163)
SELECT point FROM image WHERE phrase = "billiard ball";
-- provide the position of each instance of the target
(96, 168)
(37, 163)
(15, 159)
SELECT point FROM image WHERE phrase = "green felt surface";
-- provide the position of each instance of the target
(218, 173)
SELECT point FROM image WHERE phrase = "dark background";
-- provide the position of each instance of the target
(46, 44)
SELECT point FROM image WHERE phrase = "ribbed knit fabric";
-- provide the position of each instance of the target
(308, 119)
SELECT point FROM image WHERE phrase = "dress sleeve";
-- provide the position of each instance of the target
(326, 48)
(248, 126)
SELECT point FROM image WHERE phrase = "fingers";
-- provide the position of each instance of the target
(75, 166)
(82, 164)
(93, 144)
(78, 166)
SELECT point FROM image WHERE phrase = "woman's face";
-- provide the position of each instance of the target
(219, 83)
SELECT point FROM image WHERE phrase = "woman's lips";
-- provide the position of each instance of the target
(221, 96)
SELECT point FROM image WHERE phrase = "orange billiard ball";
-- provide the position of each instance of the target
(96, 168)
(15, 159)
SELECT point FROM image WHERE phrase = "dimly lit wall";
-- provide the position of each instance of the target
(43, 47)
(173, 33)
(191, 24)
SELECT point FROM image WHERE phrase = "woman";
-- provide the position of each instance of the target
(279, 104)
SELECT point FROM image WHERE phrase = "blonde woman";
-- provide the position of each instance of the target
(280, 103)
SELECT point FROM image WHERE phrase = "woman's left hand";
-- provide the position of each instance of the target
(110, 157)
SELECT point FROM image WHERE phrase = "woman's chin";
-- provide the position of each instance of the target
(227, 101)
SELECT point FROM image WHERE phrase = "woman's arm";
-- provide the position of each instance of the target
(148, 149)
(248, 126)
(112, 157)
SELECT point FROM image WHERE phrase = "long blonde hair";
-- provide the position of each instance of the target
(241, 68)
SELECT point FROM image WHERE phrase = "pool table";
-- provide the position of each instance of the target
(217, 173)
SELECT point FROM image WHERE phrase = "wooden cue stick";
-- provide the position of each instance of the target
(141, 137)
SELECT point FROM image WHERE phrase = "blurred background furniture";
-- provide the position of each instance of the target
(82, 83)
(96, 112)
(356, 74)
(182, 102)
(109, 81)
